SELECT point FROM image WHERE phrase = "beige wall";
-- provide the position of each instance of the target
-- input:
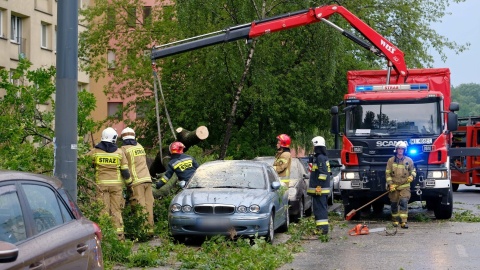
(33, 14)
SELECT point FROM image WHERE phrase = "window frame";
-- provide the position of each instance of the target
(16, 29)
(44, 35)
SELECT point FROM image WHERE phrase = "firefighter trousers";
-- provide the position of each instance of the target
(112, 198)
(399, 204)
(320, 211)
(142, 194)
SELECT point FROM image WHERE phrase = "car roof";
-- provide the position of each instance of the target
(6, 175)
(236, 162)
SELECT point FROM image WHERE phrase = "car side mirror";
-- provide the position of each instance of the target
(182, 184)
(306, 176)
(276, 185)
(8, 252)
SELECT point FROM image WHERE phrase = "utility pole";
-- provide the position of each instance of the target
(66, 101)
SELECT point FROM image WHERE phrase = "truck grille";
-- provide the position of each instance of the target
(214, 209)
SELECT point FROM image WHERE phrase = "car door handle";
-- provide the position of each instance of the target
(36, 266)
(82, 248)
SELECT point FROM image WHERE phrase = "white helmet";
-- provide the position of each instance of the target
(109, 135)
(128, 133)
(400, 144)
(318, 141)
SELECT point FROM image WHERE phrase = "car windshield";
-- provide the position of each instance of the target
(224, 175)
(393, 119)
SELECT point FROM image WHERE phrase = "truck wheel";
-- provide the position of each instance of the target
(444, 211)
(455, 187)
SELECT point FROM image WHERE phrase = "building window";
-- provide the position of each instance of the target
(111, 59)
(147, 12)
(110, 14)
(16, 29)
(2, 24)
(44, 36)
(132, 16)
(13, 78)
(114, 108)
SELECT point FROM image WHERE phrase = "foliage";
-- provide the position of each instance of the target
(281, 83)
(468, 96)
(27, 111)
(465, 216)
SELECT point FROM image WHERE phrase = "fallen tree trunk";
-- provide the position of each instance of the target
(159, 164)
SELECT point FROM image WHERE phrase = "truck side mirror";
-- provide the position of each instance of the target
(454, 107)
(452, 122)
(335, 129)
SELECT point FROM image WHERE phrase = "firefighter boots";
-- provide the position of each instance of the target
(404, 225)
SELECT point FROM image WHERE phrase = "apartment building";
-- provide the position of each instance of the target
(109, 105)
(28, 28)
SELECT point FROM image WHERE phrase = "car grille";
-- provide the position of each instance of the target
(214, 209)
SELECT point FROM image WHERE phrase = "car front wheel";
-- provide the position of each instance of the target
(301, 210)
(270, 232)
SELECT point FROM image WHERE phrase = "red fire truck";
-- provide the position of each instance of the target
(466, 169)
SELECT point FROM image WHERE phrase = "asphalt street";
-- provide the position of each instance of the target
(427, 244)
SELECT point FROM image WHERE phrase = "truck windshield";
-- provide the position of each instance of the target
(394, 119)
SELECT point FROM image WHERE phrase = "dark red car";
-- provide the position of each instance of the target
(41, 227)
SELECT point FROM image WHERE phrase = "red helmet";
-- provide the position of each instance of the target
(176, 148)
(284, 140)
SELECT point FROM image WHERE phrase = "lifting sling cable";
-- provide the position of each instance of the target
(157, 110)
(164, 103)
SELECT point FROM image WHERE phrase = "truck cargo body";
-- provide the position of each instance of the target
(466, 169)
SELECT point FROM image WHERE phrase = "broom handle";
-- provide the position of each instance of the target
(372, 200)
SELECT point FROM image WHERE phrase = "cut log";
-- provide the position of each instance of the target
(191, 138)
(188, 138)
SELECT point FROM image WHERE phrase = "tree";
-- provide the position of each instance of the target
(468, 97)
(27, 111)
(246, 94)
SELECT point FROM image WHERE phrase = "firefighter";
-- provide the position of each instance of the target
(183, 165)
(319, 186)
(111, 173)
(283, 158)
(400, 172)
(140, 183)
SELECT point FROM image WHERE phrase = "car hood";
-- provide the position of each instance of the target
(221, 196)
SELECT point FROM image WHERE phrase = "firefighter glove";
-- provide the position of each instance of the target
(410, 179)
(393, 187)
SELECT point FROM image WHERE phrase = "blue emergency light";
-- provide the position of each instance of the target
(412, 151)
(390, 87)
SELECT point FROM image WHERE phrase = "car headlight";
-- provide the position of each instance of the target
(175, 208)
(242, 209)
(254, 208)
(292, 192)
(351, 175)
(186, 208)
(437, 174)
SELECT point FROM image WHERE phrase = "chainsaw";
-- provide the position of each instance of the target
(359, 229)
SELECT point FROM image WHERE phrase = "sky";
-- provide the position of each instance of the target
(462, 26)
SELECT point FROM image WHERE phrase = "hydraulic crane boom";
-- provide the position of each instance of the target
(380, 46)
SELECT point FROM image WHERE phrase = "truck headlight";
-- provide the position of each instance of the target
(437, 174)
(350, 175)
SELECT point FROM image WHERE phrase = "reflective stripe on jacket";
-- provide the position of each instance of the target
(108, 166)
(137, 164)
(398, 170)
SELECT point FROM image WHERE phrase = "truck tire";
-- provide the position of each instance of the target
(444, 211)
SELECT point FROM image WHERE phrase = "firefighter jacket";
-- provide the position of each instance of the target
(137, 162)
(400, 171)
(320, 176)
(184, 166)
(110, 164)
(282, 163)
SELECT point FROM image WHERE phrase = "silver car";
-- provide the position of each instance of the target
(41, 227)
(300, 203)
(232, 198)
